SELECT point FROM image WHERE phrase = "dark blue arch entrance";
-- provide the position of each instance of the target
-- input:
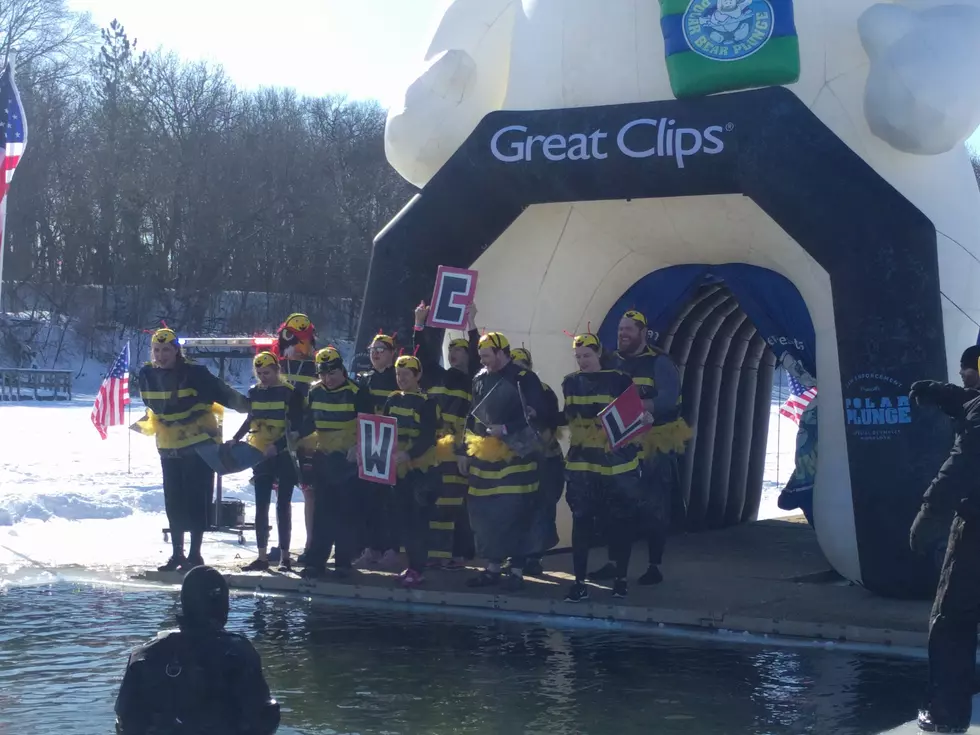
(716, 321)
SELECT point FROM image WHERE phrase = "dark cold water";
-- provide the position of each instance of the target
(340, 669)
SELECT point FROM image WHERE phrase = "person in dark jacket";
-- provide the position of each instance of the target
(181, 401)
(955, 492)
(276, 409)
(199, 678)
(377, 500)
(552, 468)
(451, 540)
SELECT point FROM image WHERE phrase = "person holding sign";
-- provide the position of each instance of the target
(377, 500)
(605, 491)
(414, 492)
(275, 409)
(658, 381)
(451, 389)
(544, 532)
(332, 407)
(502, 462)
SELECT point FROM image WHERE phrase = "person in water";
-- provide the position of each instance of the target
(181, 401)
(276, 408)
(951, 510)
(199, 678)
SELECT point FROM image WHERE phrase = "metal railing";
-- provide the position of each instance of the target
(25, 384)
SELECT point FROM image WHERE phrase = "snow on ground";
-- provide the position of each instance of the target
(68, 499)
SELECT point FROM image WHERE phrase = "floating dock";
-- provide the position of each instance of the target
(767, 577)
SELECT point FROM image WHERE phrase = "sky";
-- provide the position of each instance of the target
(362, 48)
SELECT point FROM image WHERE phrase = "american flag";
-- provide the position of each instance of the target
(799, 399)
(14, 130)
(110, 404)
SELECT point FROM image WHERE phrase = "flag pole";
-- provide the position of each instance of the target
(129, 422)
(11, 62)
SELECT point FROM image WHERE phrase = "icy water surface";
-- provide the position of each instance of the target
(339, 669)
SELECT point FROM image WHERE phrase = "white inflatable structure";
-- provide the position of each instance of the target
(818, 145)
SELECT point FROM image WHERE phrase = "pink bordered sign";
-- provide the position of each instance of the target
(377, 442)
(623, 418)
(455, 289)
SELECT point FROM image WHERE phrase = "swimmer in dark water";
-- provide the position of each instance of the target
(200, 678)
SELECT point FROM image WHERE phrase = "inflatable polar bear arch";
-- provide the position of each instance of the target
(895, 81)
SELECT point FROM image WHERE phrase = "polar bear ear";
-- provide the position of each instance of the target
(882, 25)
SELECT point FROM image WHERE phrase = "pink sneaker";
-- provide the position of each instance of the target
(391, 559)
(411, 578)
(367, 557)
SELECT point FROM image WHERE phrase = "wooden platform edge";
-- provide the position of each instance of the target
(652, 617)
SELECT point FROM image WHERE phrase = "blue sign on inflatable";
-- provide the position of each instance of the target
(770, 301)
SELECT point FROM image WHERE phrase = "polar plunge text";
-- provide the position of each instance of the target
(643, 138)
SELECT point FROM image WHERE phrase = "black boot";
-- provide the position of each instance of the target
(173, 564)
(928, 724)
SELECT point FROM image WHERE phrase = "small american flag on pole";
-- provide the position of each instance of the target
(110, 404)
(799, 399)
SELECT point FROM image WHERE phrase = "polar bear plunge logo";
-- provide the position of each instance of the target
(727, 30)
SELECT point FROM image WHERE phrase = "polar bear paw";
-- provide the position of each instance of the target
(921, 96)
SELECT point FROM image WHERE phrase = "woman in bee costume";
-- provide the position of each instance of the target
(295, 348)
(604, 491)
(181, 401)
(415, 492)
(276, 408)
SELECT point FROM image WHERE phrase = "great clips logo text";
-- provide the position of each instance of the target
(642, 138)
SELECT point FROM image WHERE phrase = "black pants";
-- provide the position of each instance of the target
(953, 626)
(188, 483)
(266, 473)
(380, 531)
(659, 476)
(335, 511)
(605, 510)
(414, 499)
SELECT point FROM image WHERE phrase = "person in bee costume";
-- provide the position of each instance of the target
(332, 407)
(551, 468)
(275, 409)
(451, 389)
(182, 399)
(658, 381)
(415, 492)
(380, 545)
(295, 347)
(503, 448)
(605, 490)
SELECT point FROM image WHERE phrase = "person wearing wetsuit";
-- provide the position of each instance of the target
(415, 491)
(552, 470)
(605, 490)
(954, 493)
(658, 381)
(502, 457)
(381, 544)
(181, 399)
(333, 404)
(275, 409)
(199, 678)
(451, 540)
(295, 347)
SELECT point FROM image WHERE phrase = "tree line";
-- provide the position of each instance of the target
(146, 171)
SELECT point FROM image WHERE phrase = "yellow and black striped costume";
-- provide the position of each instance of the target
(416, 415)
(182, 404)
(301, 374)
(332, 416)
(452, 390)
(271, 410)
(379, 385)
(670, 431)
(503, 482)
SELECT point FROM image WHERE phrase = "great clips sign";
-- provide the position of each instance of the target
(638, 138)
